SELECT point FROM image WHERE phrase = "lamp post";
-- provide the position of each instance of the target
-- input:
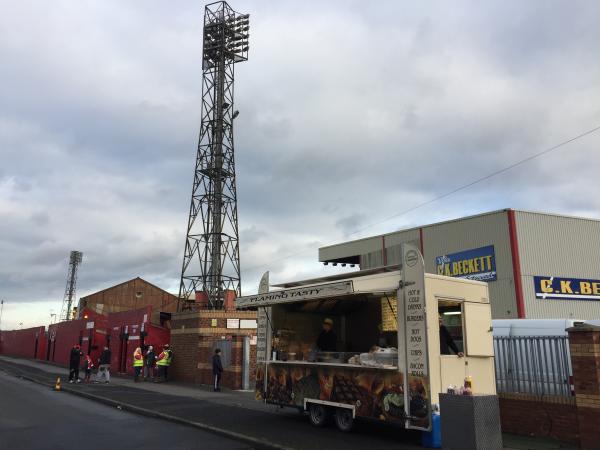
(1, 309)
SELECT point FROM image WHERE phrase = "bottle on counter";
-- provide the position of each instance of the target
(468, 387)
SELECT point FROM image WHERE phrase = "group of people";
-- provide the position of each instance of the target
(88, 365)
(146, 364)
(150, 366)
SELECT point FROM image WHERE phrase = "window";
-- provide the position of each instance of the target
(451, 327)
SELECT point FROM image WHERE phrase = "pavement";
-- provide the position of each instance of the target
(235, 415)
(34, 417)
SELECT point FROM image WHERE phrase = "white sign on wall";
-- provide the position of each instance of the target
(248, 323)
(233, 323)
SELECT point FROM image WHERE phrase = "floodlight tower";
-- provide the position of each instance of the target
(74, 261)
(211, 261)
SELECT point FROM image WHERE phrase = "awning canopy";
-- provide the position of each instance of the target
(339, 292)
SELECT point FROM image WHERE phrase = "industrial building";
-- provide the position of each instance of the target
(537, 265)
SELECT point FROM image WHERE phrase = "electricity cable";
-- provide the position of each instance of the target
(447, 194)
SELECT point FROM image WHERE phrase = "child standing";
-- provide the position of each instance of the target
(88, 365)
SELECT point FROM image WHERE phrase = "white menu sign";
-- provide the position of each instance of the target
(417, 390)
(264, 328)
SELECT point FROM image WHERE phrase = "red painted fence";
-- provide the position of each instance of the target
(121, 332)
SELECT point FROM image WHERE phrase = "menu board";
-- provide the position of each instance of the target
(389, 313)
(417, 389)
(264, 328)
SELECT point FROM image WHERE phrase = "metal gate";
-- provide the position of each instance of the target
(537, 365)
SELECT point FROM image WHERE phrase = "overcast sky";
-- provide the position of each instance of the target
(349, 112)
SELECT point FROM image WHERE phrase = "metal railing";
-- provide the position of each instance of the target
(536, 365)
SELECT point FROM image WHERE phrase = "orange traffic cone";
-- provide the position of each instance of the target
(57, 385)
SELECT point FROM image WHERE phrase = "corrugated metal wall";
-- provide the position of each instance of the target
(549, 245)
(352, 248)
(471, 233)
(450, 237)
(562, 247)
(372, 256)
(393, 242)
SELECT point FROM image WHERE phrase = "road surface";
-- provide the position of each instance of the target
(34, 417)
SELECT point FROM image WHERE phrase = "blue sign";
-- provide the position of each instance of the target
(554, 288)
(477, 264)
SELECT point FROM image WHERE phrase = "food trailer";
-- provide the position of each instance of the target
(383, 359)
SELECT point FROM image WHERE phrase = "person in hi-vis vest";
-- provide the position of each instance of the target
(138, 363)
(163, 362)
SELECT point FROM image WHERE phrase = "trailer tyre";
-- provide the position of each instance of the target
(318, 414)
(344, 420)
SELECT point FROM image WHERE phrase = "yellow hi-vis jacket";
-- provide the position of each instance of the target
(138, 360)
(164, 359)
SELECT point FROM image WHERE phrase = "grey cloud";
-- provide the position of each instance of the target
(351, 223)
(337, 130)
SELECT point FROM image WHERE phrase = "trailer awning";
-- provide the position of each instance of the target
(336, 292)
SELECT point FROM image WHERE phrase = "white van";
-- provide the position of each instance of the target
(533, 327)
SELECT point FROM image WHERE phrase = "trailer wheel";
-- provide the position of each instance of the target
(318, 414)
(344, 420)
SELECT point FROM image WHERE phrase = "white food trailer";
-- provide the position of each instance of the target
(387, 362)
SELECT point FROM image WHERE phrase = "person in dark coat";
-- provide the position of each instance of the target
(150, 363)
(104, 366)
(327, 340)
(217, 369)
(74, 363)
(446, 341)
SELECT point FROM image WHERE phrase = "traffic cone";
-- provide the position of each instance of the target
(57, 385)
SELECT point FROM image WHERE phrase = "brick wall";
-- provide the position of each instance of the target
(184, 362)
(584, 343)
(193, 336)
(529, 415)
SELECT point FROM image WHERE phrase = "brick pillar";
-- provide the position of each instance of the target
(584, 343)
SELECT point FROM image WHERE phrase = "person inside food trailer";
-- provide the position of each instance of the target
(327, 340)
(362, 323)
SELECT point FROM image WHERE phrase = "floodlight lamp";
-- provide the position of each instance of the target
(225, 105)
(235, 114)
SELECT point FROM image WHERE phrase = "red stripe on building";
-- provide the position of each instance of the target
(516, 263)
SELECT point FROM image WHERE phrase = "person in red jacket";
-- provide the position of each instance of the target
(88, 365)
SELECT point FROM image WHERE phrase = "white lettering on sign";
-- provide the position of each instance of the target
(417, 389)
(294, 295)
(263, 338)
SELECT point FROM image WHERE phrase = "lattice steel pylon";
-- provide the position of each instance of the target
(74, 261)
(211, 261)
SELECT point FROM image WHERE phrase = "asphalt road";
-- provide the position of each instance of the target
(34, 417)
(267, 424)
